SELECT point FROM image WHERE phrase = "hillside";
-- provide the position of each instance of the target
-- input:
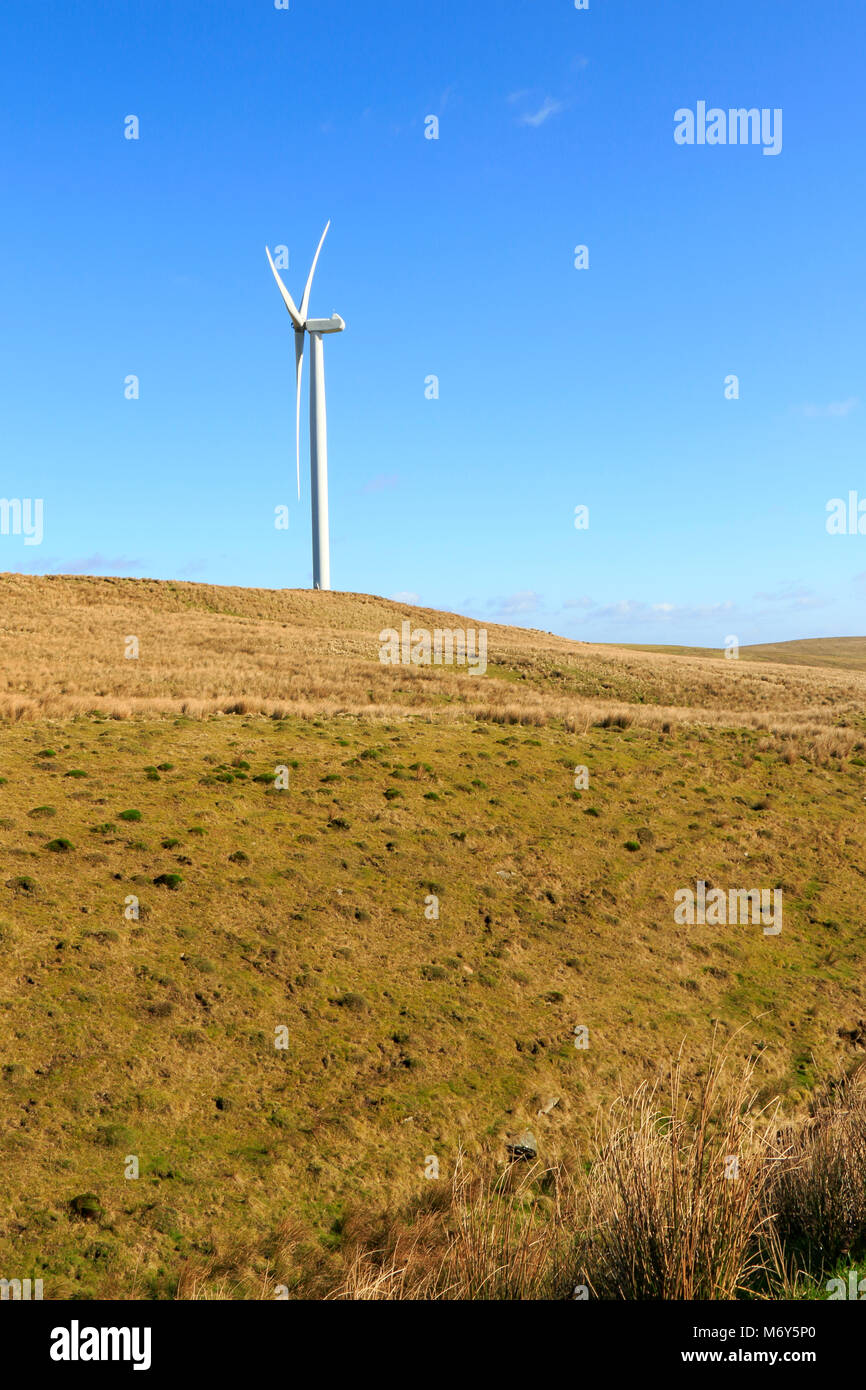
(844, 653)
(205, 649)
(150, 783)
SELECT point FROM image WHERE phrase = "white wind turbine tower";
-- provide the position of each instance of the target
(318, 418)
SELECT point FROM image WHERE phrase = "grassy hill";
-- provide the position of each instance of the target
(148, 785)
(845, 653)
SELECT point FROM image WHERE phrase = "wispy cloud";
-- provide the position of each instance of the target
(834, 410)
(791, 598)
(405, 596)
(549, 107)
(90, 564)
(632, 610)
(527, 601)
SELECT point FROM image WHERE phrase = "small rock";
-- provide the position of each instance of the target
(523, 1147)
(549, 1105)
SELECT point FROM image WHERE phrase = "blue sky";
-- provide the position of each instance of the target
(452, 257)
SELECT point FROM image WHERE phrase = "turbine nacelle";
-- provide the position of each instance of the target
(332, 325)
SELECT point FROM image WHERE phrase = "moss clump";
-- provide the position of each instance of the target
(172, 881)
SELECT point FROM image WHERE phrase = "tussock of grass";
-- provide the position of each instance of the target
(676, 1196)
(819, 1193)
(654, 1211)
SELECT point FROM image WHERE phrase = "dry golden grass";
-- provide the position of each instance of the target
(206, 650)
(678, 1190)
(818, 1195)
(656, 1212)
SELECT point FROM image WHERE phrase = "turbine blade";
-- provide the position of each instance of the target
(299, 371)
(287, 298)
(305, 303)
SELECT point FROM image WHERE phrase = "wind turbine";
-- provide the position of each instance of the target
(316, 328)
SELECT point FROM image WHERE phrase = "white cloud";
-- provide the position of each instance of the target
(548, 108)
(405, 596)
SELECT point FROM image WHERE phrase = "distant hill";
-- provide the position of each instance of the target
(844, 653)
